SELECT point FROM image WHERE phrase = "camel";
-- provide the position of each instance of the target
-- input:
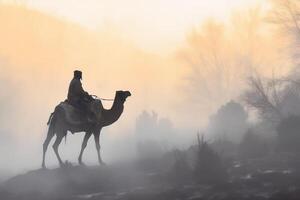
(59, 126)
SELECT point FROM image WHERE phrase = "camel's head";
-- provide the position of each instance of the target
(122, 95)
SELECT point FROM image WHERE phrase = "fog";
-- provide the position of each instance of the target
(39, 53)
(235, 81)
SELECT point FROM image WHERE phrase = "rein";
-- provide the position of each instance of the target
(106, 99)
(95, 96)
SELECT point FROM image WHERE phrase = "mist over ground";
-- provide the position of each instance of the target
(216, 117)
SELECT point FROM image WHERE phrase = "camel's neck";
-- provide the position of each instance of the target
(113, 114)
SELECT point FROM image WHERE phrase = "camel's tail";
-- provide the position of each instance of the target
(50, 118)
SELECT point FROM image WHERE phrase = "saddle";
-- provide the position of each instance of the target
(75, 116)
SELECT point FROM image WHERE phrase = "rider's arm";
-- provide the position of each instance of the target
(81, 91)
(78, 88)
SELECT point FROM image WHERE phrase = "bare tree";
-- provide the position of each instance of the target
(220, 56)
(286, 14)
(263, 97)
(206, 59)
(273, 98)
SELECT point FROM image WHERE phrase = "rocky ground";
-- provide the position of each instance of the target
(256, 179)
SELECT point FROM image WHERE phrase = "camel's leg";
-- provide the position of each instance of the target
(50, 134)
(84, 143)
(96, 136)
(59, 137)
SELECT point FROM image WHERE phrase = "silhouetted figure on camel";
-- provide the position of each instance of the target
(79, 98)
(81, 113)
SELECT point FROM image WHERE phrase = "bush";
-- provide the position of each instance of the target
(252, 146)
(209, 167)
(225, 147)
(230, 122)
(289, 134)
(180, 170)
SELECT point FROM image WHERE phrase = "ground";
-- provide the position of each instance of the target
(252, 179)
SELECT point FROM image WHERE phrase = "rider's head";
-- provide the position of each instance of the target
(77, 74)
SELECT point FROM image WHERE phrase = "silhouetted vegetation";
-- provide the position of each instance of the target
(252, 146)
(180, 171)
(224, 147)
(229, 122)
(289, 134)
(208, 166)
(273, 99)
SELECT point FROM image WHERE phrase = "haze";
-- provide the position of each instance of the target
(147, 47)
(156, 26)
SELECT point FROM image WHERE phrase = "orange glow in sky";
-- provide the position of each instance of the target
(154, 25)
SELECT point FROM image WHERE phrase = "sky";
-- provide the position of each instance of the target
(154, 25)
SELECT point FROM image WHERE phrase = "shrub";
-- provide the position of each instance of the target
(180, 170)
(252, 146)
(209, 167)
(289, 134)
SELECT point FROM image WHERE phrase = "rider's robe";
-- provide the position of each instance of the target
(76, 94)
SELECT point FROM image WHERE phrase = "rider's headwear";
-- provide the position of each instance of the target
(77, 74)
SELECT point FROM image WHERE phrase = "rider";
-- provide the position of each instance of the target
(77, 96)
